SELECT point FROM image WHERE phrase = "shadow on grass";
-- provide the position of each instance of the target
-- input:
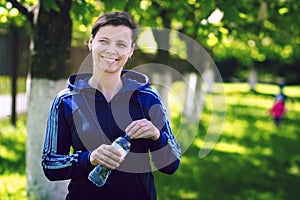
(12, 158)
(263, 95)
(228, 176)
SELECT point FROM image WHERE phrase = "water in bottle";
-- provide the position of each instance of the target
(99, 174)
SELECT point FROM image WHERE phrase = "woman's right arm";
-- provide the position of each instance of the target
(57, 162)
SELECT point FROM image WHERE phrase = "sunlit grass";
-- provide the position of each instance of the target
(13, 186)
(12, 159)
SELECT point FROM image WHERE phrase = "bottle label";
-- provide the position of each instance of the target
(120, 149)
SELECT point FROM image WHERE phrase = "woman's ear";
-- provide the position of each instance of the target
(132, 50)
(90, 44)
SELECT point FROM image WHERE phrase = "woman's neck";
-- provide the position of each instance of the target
(108, 83)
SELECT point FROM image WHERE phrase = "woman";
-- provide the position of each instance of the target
(97, 108)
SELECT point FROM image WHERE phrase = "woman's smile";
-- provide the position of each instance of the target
(109, 59)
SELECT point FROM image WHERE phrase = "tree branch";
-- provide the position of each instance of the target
(22, 9)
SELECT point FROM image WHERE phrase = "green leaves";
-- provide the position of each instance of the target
(271, 28)
(49, 5)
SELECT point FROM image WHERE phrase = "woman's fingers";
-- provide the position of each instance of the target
(136, 128)
(136, 125)
(142, 128)
(107, 156)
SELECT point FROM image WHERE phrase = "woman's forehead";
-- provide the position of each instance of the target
(114, 32)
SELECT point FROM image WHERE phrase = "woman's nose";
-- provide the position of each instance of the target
(111, 48)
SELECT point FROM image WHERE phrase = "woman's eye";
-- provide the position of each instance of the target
(122, 45)
(103, 41)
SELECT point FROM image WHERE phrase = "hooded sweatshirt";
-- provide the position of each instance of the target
(278, 109)
(80, 120)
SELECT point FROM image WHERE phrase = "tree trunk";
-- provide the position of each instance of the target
(14, 74)
(50, 52)
(163, 82)
(189, 103)
(161, 75)
(52, 42)
(209, 79)
(252, 78)
(42, 91)
(194, 100)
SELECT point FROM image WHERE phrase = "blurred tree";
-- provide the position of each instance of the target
(257, 32)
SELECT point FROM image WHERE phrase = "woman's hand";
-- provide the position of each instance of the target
(142, 128)
(107, 156)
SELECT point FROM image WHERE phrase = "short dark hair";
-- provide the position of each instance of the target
(116, 19)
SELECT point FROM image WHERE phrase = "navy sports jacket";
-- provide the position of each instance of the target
(81, 119)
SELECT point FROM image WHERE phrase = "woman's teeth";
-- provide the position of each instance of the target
(109, 59)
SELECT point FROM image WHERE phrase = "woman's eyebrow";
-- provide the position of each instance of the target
(104, 38)
(123, 41)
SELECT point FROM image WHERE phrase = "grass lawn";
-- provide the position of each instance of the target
(12, 159)
(252, 159)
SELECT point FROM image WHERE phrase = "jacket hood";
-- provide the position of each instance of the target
(132, 80)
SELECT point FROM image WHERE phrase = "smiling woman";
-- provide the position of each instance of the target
(99, 107)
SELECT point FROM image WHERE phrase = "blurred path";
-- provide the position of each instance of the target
(5, 105)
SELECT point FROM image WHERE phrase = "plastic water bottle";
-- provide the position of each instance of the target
(99, 174)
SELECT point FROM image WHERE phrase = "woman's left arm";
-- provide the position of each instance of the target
(57, 161)
(165, 150)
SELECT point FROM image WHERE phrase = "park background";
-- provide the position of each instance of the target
(254, 45)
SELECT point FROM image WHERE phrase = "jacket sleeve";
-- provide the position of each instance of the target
(57, 161)
(166, 152)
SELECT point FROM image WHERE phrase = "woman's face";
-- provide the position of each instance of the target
(111, 47)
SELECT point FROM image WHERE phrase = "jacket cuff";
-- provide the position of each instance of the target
(161, 141)
(84, 159)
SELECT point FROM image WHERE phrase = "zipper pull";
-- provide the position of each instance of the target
(109, 106)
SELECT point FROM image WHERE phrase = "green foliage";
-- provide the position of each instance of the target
(50, 5)
(83, 20)
(249, 31)
(10, 16)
